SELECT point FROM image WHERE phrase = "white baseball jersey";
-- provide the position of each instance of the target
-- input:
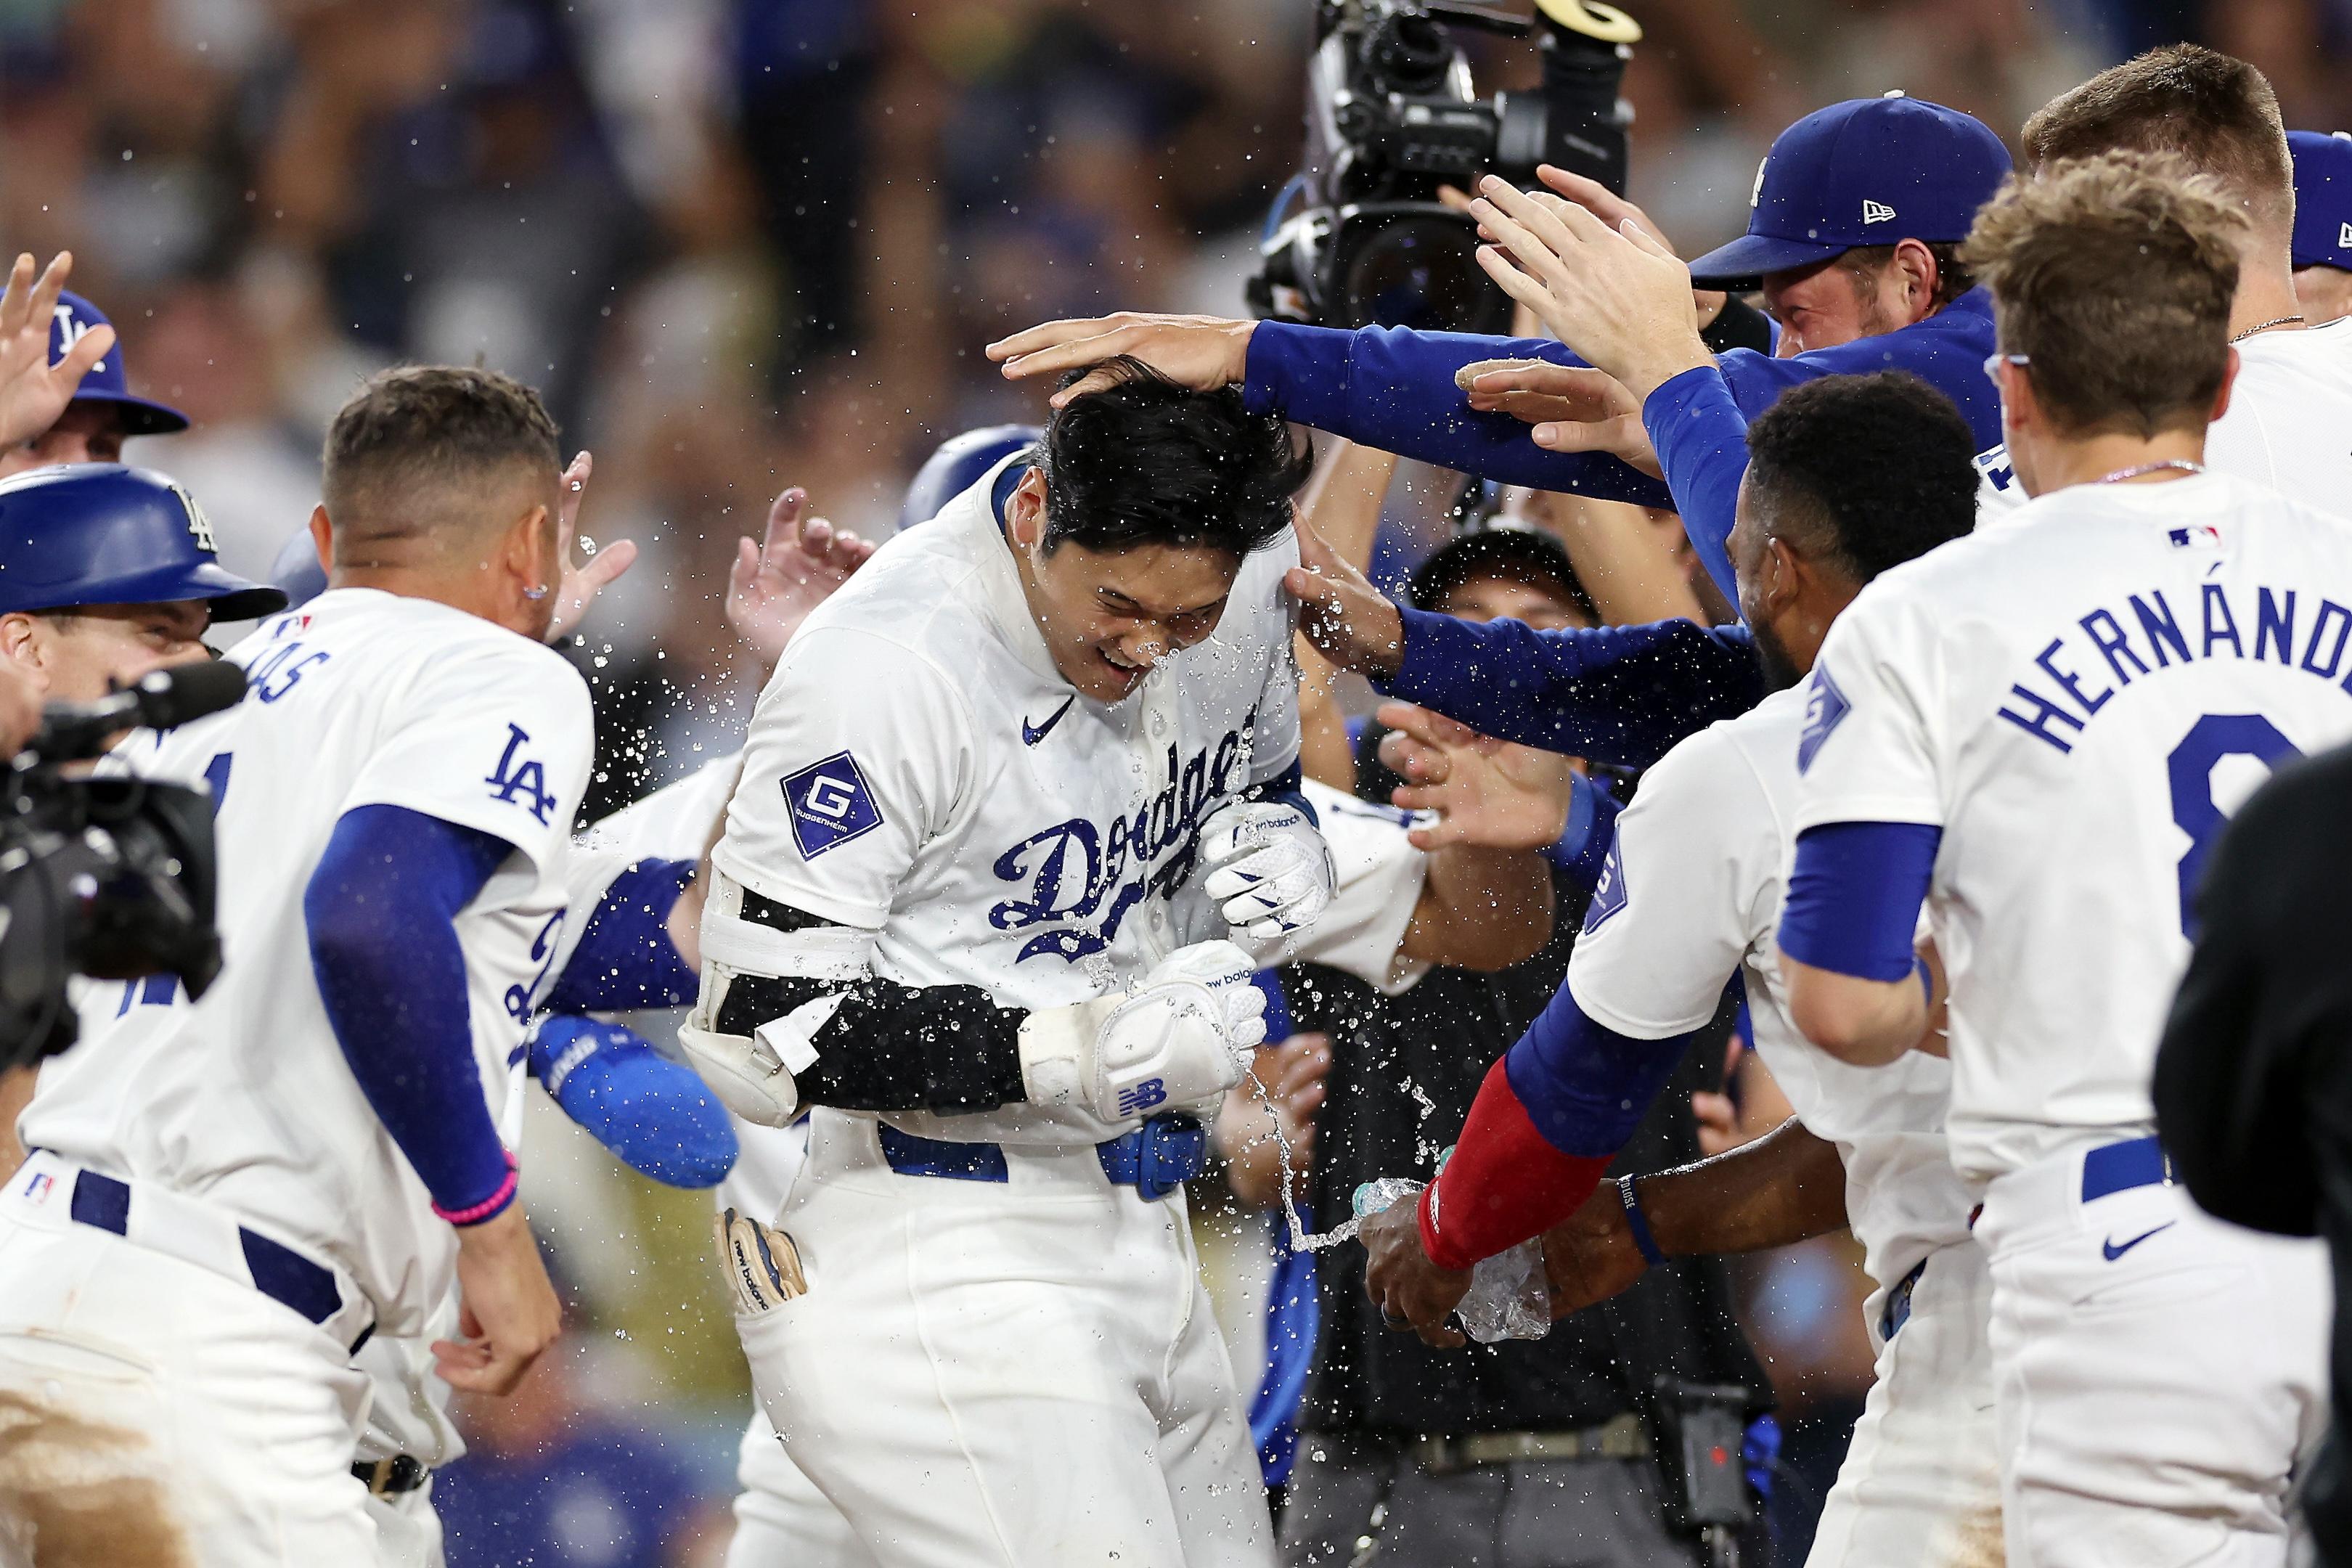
(360, 698)
(1690, 896)
(2289, 424)
(917, 769)
(2078, 702)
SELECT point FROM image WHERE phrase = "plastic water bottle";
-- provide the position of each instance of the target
(1509, 1297)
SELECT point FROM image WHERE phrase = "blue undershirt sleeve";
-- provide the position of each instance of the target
(1701, 439)
(653, 1112)
(1584, 1086)
(1854, 895)
(380, 910)
(1391, 388)
(625, 959)
(1583, 845)
(1290, 787)
(1619, 695)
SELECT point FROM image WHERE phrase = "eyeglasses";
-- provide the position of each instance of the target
(1994, 362)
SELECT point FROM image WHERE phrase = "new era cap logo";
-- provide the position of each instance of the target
(1877, 211)
(2343, 234)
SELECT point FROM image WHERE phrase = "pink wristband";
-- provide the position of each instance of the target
(489, 1207)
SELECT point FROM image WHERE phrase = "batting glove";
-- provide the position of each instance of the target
(1184, 1036)
(1269, 871)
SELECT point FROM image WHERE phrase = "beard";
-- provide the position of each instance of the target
(1780, 672)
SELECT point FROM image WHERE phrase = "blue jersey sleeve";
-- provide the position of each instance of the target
(1585, 1086)
(1392, 389)
(1701, 439)
(1854, 894)
(654, 1113)
(625, 959)
(1620, 695)
(380, 910)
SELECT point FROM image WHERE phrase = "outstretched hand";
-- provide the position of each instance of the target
(794, 567)
(1349, 622)
(1616, 295)
(1574, 408)
(602, 568)
(1203, 353)
(1485, 792)
(33, 392)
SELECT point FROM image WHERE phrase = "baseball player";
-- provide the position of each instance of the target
(1847, 477)
(2292, 397)
(2322, 251)
(230, 1196)
(2037, 732)
(1003, 793)
(63, 395)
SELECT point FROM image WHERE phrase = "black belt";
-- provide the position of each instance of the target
(391, 1478)
(279, 1272)
(1619, 1438)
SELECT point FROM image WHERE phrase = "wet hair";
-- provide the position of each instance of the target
(2214, 109)
(2114, 276)
(1526, 555)
(1863, 472)
(420, 447)
(1146, 461)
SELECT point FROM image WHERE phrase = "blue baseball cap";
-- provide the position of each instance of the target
(2323, 198)
(100, 533)
(103, 382)
(1870, 171)
(956, 466)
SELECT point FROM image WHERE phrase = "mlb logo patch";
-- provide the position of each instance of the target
(38, 1188)
(1825, 709)
(1608, 893)
(2196, 536)
(830, 804)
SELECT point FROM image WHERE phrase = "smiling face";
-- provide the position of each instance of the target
(1109, 616)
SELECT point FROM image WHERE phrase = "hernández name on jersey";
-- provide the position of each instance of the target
(2088, 661)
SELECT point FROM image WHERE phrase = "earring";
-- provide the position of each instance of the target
(535, 595)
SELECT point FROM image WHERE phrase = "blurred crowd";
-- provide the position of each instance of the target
(741, 243)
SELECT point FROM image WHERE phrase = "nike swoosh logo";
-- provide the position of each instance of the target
(1033, 734)
(2114, 1252)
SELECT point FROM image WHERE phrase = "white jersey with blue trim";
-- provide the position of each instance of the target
(2288, 425)
(917, 769)
(360, 698)
(1690, 895)
(2078, 702)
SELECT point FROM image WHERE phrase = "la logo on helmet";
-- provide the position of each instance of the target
(200, 526)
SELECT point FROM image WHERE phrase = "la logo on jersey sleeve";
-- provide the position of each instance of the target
(830, 804)
(1825, 709)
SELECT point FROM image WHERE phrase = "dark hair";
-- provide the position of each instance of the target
(2114, 276)
(1863, 471)
(1864, 263)
(1515, 554)
(1146, 462)
(416, 435)
(2214, 109)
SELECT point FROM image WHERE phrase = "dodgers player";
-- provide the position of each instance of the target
(2038, 730)
(1849, 476)
(2292, 398)
(956, 889)
(2322, 248)
(230, 1196)
(63, 393)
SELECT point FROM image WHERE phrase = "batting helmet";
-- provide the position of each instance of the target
(100, 533)
(956, 466)
(69, 320)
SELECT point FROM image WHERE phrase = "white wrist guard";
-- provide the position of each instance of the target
(1267, 870)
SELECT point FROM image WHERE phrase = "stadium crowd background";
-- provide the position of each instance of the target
(746, 243)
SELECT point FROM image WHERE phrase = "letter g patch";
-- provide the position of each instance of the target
(830, 804)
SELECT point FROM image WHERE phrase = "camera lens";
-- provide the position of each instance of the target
(1408, 53)
(1419, 271)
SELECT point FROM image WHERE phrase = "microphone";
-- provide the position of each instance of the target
(156, 701)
